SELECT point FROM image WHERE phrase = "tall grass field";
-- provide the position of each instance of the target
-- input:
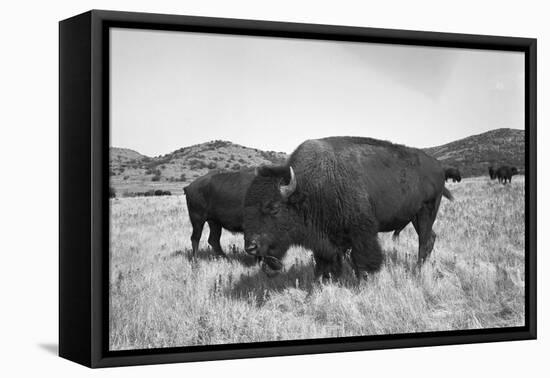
(159, 297)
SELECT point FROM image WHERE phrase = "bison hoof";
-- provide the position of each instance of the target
(417, 268)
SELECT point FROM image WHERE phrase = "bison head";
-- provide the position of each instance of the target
(514, 171)
(270, 214)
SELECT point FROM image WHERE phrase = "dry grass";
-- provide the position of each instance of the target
(159, 298)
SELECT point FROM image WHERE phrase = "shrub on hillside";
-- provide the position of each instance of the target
(218, 144)
(197, 164)
(156, 176)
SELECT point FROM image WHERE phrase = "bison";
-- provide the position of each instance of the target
(504, 174)
(492, 173)
(337, 193)
(452, 173)
(217, 198)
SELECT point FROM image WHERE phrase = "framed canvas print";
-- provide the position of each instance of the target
(235, 188)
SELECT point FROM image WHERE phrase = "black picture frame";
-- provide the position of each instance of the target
(84, 185)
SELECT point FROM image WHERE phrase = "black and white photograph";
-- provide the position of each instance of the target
(267, 189)
(210, 188)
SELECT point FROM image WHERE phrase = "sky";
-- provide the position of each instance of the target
(174, 89)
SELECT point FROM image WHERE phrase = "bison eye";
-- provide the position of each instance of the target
(270, 207)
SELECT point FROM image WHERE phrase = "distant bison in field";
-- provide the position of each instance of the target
(337, 193)
(505, 173)
(492, 173)
(160, 192)
(217, 198)
(452, 173)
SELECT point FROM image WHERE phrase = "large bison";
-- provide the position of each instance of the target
(452, 173)
(504, 173)
(217, 198)
(338, 193)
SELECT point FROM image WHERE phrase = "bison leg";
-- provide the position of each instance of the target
(423, 223)
(326, 268)
(214, 238)
(366, 254)
(328, 259)
(196, 235)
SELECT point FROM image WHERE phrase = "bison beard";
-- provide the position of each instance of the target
(338, 193)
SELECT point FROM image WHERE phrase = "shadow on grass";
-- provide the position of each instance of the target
(209, 255)
(301, 276)
(258, 284)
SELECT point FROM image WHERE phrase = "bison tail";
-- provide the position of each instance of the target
(447, 194)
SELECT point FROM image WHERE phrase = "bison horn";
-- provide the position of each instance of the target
(287, 190)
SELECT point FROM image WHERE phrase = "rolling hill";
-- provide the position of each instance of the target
(133, 172)
(474, 154)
